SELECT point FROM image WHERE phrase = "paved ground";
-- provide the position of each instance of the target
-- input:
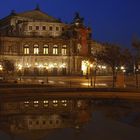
(73, 81)
(62, 87)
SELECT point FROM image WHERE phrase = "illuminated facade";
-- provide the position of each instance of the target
(39, 44)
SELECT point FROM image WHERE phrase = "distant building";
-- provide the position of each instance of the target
(39, 44)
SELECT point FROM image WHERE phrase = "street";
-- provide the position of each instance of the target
(78, 81)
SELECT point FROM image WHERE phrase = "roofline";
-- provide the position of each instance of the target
(57, 20)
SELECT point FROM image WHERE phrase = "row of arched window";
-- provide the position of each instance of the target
(46, 49)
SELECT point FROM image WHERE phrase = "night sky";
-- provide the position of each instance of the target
(115, 21)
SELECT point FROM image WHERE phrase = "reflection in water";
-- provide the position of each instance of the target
(38, 118)
(120, 110)
(33, 118)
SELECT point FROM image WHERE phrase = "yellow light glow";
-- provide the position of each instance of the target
(91, 65)
(99, 66)
(99, 84)
(51, 65)
(55, 64)
(63, 66)
(45, 64)
(122, 68)
(103, 67)
(40, 66)
(20, 67)
(1, 68)
(28, 65)
(36, 64)
(85, 65)
(124, 71)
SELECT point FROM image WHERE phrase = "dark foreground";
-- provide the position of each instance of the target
(37, 112)
(39, 91)
(54, 118)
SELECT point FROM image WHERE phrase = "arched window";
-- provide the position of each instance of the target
(44, 27)
(26, 49)
(50, 28)
(55, 49)
(64, 50)
(37, 27)
(57, 28)
(30, 28)
(46, 49)
(36, 49)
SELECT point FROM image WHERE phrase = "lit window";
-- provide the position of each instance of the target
(50, 28)
(43, 27)
(92, 51)
(64, 50)
(36, 49)
(46, 103)
(26, 49)
(37, 27)
(26, 103)
(55, 49)
(55, 103)
(64, 103)
(79, 104)
(30, 28)
(46, 49)
(36, 103)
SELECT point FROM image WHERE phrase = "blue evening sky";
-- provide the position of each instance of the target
(116, 21)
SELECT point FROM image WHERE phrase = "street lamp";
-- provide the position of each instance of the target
(137, 80)
(20, 67)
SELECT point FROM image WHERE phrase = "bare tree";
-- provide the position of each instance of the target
(113, 56)
(136, 46)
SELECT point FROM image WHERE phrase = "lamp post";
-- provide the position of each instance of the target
(20, 72)
(47, 75)
(91, 72)
(137, 81)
